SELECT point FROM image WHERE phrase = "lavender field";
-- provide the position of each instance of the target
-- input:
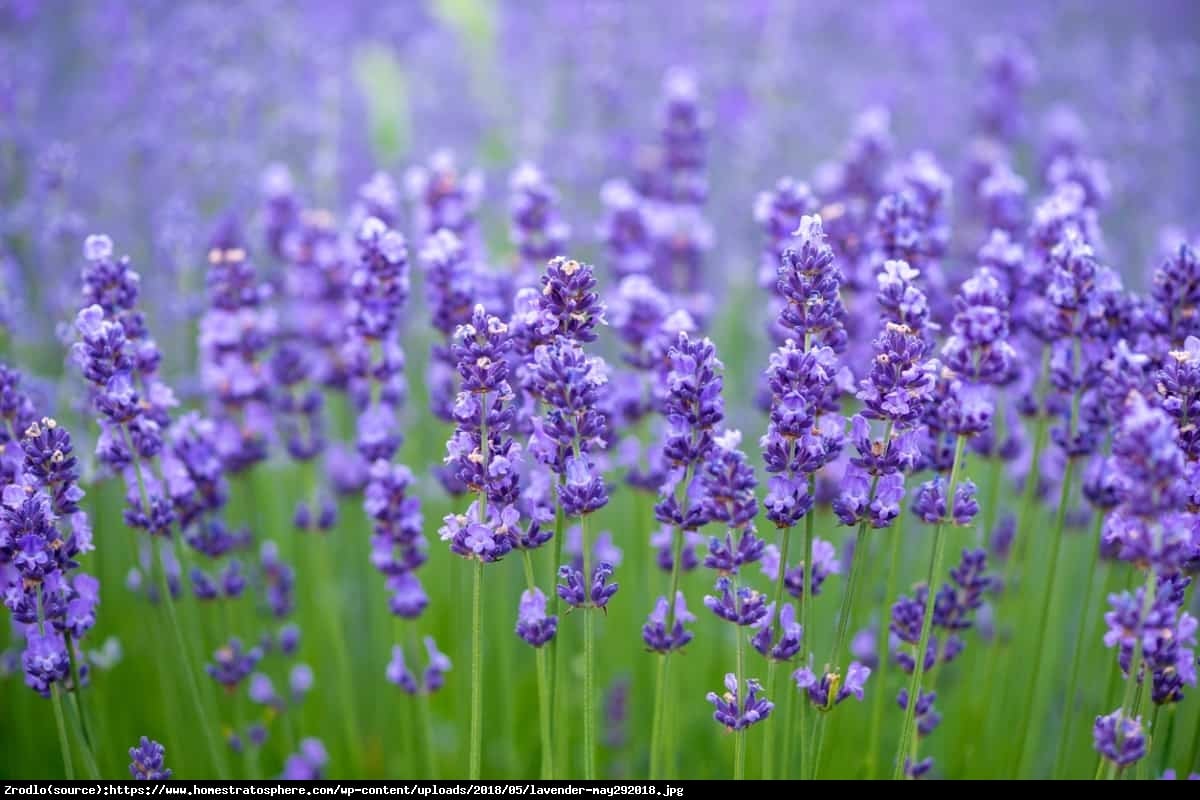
(599, 390)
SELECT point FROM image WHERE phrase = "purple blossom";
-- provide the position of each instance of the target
(735, 712)
(307, 764)
(597, 594)
(831, 689)
(740, 605)
(146, 761)
(655, 633)
(930, 502)
(533, 624)
(780, 644)
(1119, 738)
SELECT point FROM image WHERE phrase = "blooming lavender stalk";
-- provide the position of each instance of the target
(804, 429)
(693, 407)
(570, 434)
(1149, 529)
(234, 333)
(482, 456)
(42, 533)
(954, 608)
(727, 484)
(1077, 292)
(536, 228)
(120, 363)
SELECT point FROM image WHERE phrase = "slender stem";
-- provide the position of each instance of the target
(739, 744)
(1143, 764)
(856, 560)
(935, 569)
(806, 601)
(660, 693)
(789, 724)
(1065, 734)
(76, 690)
(589, 659)
(1164, 752)
(1056, 545)
(542, 687)
(658, 733)
(881, 647)
(334, 631)
(1193, 760)
(64, 743)
(476, 673)
(555, 650)
(768, 760)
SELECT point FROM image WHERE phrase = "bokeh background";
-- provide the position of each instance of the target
(150, 120)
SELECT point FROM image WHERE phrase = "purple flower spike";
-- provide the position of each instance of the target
(1119, 739)
(831, 689)
(737, 714)
(930, 502)
(308, 763)
(533, 624)
(398, 672)
(743, 607)
(789, 634)
(655, 633)
(597, 594)
(436, 668)
(146, 761)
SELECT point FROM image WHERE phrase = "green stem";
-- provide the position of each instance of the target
(473, 770)
(555, 650)
(856, 560)
(885, 663)
(1143, 764)
(1164, 752)
(739, 742)
(77, 702)
(64, 743)
(334, 632)
(935, 569)
(660, 693)
(768, 760)
(806, 601)
(1085, 626)
(1025, 709)
(657, 734)
(542, 687)
(589, 660)
(168, 601)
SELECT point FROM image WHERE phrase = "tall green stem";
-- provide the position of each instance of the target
(1026, 707)
(555, 650)
(935, 569)
(473, 770)
(64, 743)
(1085, 626)
(739, 743)
(806, 606)
(589, 659)
(181, 647)
(659, 725)
(885, 663)
(768, 745)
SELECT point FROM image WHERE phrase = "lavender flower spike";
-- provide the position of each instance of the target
(147, 761)
(736, 713)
